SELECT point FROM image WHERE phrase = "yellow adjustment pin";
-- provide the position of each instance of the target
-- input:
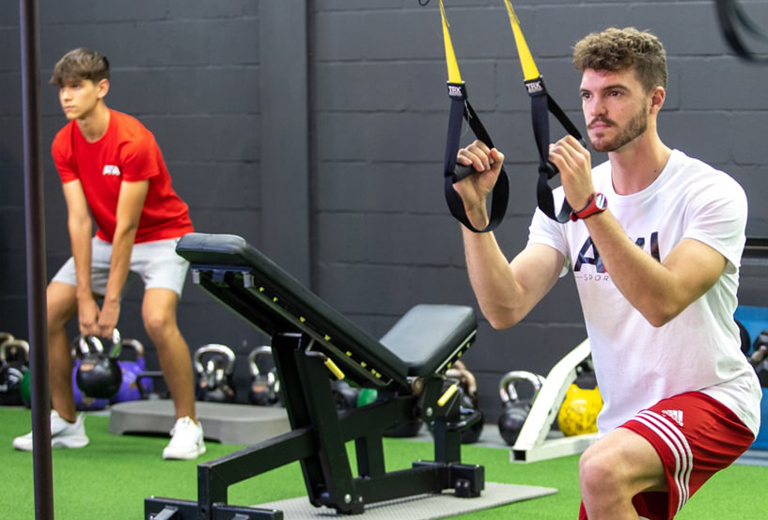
(447, 395)
(334, 368)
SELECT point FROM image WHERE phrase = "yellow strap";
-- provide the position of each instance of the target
(454, 76)
(526, 60)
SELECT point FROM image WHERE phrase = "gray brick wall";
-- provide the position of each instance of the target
(373, 228)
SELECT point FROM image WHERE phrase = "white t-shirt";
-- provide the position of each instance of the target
(699, 350)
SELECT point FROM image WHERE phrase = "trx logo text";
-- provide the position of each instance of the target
(534, 87)
(455, 91)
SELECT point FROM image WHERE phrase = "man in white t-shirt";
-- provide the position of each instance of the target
(655, 246)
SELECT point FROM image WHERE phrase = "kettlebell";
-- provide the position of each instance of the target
(515, 409)
(129, 390)
(265, 388)
(139, 364)
(14, 359)
(25, 389)
(99, 373)
(579, 411)
(215, 376)
(5, 336)
(85, 403)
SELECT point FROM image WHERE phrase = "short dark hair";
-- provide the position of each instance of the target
(621, 49)
(79, 64)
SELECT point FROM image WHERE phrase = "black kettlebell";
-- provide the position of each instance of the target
(515, 409)
(99, 374)
(215, 366)
(14, 359)
(265, 387)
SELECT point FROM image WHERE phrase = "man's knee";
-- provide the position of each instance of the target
(599, 471)
(622, 463)
(159, 325)
(159, 313)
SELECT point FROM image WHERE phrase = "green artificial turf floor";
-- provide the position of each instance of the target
(112, 476)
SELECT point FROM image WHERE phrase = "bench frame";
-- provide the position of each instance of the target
(304, 358)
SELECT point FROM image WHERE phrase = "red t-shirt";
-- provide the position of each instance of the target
(126, 152)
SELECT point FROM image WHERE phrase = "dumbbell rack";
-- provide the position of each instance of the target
(532, 443)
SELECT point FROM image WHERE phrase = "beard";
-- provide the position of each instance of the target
(634, 128)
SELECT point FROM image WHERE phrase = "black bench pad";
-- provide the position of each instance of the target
(425, 340)
(428, 337)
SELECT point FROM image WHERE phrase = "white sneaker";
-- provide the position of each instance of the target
(186, 440)
(64, 434)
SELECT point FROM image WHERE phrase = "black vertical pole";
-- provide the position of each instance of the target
(34, 215)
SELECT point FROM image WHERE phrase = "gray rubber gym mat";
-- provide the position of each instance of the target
(227, 423)
(422, 507)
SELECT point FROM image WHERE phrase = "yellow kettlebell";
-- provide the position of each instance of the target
(578, 413)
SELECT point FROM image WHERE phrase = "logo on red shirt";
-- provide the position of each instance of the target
(110, 169)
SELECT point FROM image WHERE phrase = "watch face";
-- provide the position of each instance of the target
(600, 201)
(597, 203)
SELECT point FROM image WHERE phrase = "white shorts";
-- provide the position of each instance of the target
(155, 262)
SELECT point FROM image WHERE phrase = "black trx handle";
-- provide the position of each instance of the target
(542, 104)
(461, 109)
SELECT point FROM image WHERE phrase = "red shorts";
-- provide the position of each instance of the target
(695, 436)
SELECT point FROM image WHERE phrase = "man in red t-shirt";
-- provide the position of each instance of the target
(112, 168)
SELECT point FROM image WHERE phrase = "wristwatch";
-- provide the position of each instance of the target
(597, 203)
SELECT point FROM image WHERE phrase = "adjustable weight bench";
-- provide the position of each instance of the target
(313, 344)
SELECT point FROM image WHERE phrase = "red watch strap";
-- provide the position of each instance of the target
(595, 204)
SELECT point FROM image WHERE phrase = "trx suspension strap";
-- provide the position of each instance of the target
(460, 110)
(541, 105)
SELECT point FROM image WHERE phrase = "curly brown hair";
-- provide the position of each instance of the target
(621, 49)
(80, 64)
